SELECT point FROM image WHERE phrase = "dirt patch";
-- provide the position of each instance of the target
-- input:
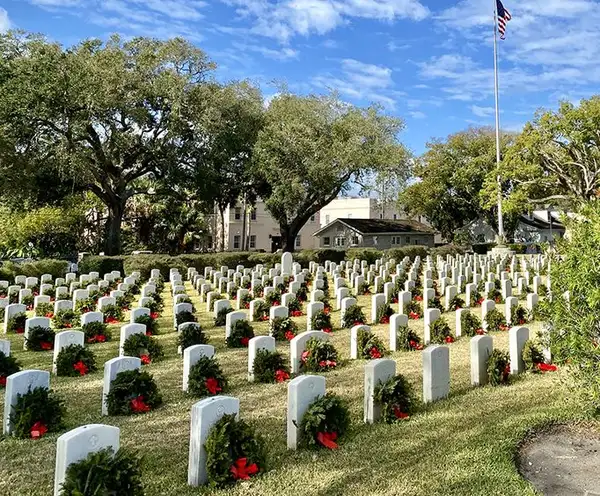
(563, 461)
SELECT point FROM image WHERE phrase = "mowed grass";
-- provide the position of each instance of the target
(465, 445)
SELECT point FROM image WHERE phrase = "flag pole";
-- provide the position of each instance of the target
(498, 158)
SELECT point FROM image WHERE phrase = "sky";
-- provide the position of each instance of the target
(429, 62)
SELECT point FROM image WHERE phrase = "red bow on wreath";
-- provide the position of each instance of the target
(45, 345)
(399, 414)
(242, 471)
(281, 376)
(38, 430)
(154, 315)
(374, 353)
(327, 439)
(81, 367)
(138, 405)
(145, 359)
(245, 340)
(289, 335)
(545, 367)
(212, 385)
(327, 330)
(2, 380)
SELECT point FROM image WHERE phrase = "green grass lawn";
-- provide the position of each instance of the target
(465, 445)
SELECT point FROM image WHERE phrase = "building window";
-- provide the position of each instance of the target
(408, 240)
(326, 241)
(252, 241)
(236, 242)
(298, 241)
(340, 241)
(312, 218)
(253, 214)
(209, 241)
(238, 213)
(354, 240)
(327, 219)
(395, 217)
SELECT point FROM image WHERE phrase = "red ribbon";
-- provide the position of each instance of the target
(449, 339)
(242, 471)
(289, 335)
(281, 376)
(81, 367)
(375, 353)
(327, 439)
(245, 340)
(145, 359)
(138, 405)
(2, 380)
(38, 430)
(212, 385)
(545, 367)
(45, 345)
(399, 414)
(327, 330)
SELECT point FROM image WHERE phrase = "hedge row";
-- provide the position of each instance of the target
(9, 270)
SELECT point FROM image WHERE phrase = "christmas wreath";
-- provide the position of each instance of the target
(519, 315)
(241, 334)
(44, 310)
(318, 356)
(476, 299)
(104, 472)
(27, 301)
(96, 332)
(185, 316)
(456, 303)
(50, 291)
(261, 311)
(295, 307)
(233, 293)
(270, 366)
(8, 366)
(436, 302)
(124, 302)
(283, 329)
(2, 314)
(325, 421)
(353, 316)
(191, 335)
(112, 314)
(245, 301)
(206, 378)
(321, 321)
(144, 347)
(384, 312)
(37, 412)
(440, 332)
(273, 299)
(397, 399)
(369, 346)
(40, 339)
(363, 289)
(495, 321)
(471, 324)
(13, 297)
(75, 360)
(542, 290)
(214, 299)
(16, 323)
(414, 310)
(233, 452)
(64, 319)
(132, 391)
(85, 305)
(302, 293)
(495, 295)
(154, 306)
(150, 323)
(258, 291)
(179, 291)
(534, 359)
(498, 368)
(221, 317)
(407, 339)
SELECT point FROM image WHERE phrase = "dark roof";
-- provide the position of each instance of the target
(539, 223)
(382, 226)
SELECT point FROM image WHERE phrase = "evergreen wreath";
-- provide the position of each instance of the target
(456, 303)
(187, 299)
(150, 323)
(414, 310)
(13, 297)
(440, 332)
(233, 452)
(384, 312)
(191, 335)
(295, 307)
(49, 291)
(363, 289)
(8, 366)
(241, 334)
(407, 339)
(471, 324)
(221, 317)
(519, 315)
(318, 356)
(154, 306)
(245, 301)
(325, 421)
(258, 291)
(85, 305)
(104, 472)
(206, 378)
(283, 329)
(321, 321)
(74, 361)
(185, 316)
(124, 302)
(495, 295)
(353, 316)
(40, 339)
(369, 346)
(476, 299)
(302, 293)
(144, 347)
(532, 356)
(543, 290)
(498, 368)
(133, 391)
(269, 367)
(495, 321)
(64, 319)
(233, 293)
(397, 399)
(273, 299)
(436, 302)
(16, 323)
(261, 311)
(37, 412)
(96, 332)
(96, 295)
(112, 314)
(28, 301)
(214, 299)
(44, 310)
(2, 314)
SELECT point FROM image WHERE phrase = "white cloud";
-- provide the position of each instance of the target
(367, 75)
(417, 114)
(5, 23)
(482, 111)
(284, 53)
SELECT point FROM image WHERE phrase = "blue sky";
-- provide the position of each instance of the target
(427, 61)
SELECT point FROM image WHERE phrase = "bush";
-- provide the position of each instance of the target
(58, 268)
(498, 368)
(368, 254)
(408, 251)
(103, 265)
(482, 248)
(444, 251)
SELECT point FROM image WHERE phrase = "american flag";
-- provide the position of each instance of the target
(503, 17)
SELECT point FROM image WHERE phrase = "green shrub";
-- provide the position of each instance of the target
(368, 254)
(103, 265)
(408, 251)
(57, 268)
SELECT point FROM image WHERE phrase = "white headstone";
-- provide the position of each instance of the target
(431, 315)
(231, 318)
(255, 344)
(517, 337)
(376, 372)
(302, 391)
(130, 330)
(346, 303)
(111, 369)
(377, 300)
(397, 321)
(354, 339)
(34, 322)
(191, 355)
(86, 318)
(21, 383)
(10, 311)
(64, 339)
(138, 312)
(436, 373)
(297, 345)
(481, 349)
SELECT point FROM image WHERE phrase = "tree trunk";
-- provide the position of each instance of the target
(222, 240)
(112, 231)
(288, 238)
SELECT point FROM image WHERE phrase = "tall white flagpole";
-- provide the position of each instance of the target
(498, 158)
